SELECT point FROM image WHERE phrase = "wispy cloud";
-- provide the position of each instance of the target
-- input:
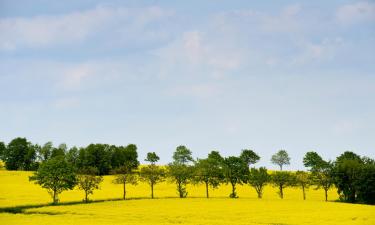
(350, 14)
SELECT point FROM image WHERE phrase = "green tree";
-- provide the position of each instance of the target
(249, 156)
(180, 171)
(45, 151)
(56, 175)
(88, 181)
(72, 156)
(19, 155)
(281, 158)
(59, 151)
(282, 180)
(312, 160)
(209, 171)
(303, 180)
(365, 184)
(2, 150)
(346, 171)
(152, 174)
(322, 177)
(258, 179)
(235, 172)
(125, 165)
(96, 155)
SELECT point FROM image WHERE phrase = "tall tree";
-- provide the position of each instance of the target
(96, 155)
(45, 151)
(126, 162)
(258, 179)
(59, 151)
(249, 156)
(209, 171)
(88, 181)
(346, 171)
(281, 158)
(180, 170)
(19, 155)
(282, 180)
(56, 175)
(303, 180)
(235, 172)
(152, 174)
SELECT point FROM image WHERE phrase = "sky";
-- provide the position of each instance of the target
(211, 75)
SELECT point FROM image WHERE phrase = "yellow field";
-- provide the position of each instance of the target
(15, 190)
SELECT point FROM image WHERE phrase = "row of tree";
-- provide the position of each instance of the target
(61, 169)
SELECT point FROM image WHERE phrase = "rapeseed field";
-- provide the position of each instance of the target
(16, 190)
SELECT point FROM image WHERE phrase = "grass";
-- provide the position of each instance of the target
(22, 202)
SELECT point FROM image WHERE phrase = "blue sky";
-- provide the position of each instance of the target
(211, 75)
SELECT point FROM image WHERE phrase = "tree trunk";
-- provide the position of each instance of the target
(179, 190)
(124, 190)
(281, 167)
(152, 190)
(281, 192)
(233, 190)
(326, 194)
(207, 190)
(86, 199)
(54, 197)
(303, 191)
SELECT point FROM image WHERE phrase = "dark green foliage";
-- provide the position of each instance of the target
(45, 151)
(209, 171)
(249, 156)
(236, 171)
(281, 158)
(365, 183)
(180, 171)
(20, 155)
(88, 181)
(2, 150)
(258, 179)
(59, 151)
(152, 174)
(312, 160)
(95, 155)
(322, 177)
(152, 157)
(56, 175)
(347, 169)
(72, 156)
(282, 180)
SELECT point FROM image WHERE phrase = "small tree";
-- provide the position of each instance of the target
(55, 175)
(303, 180)
(235, 172)
(180, 171)
(152, 174)
(282, 180)
(258, 179)
(312, 160)
(281, 158)
(209, 171)
(88, 181)
(322, 177)
(125, 175)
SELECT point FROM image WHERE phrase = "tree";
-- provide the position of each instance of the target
(72, 156)
(88, 181)
(19, 155)
(209, 171)
(59, 151)
(346, 171)
(322, 177)
(180, 171)
(312, 160)
(95, 155)
(365, 184)
(258, 179)
(152, 174)
(45, 151)
(182, 155)
(235, 172)
(249, 156)
(282, 180)
(303, 180)
(152, 158)
(281, 158)
(2, 150)
(56, 175)
(125, 162)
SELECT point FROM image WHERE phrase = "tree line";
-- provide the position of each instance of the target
(59, 169)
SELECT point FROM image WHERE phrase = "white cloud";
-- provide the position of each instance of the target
(356, 13)
(76, 27)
